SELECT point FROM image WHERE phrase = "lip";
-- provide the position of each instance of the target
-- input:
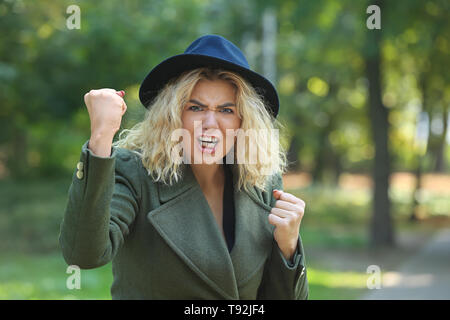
(205, 149)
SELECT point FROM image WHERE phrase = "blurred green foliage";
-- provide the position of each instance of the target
(45, 70)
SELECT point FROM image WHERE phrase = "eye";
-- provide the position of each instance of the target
(227, 110)
(194, 108)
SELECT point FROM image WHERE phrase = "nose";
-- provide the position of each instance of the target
(209, 120)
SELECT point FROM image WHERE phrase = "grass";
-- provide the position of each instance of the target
(333, 236)
(44, 277)
(31, 213)
(29, 277)
(334, 285)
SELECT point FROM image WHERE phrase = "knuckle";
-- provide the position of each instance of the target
(95, 94)
(285, 223)
(292, 222)
(271, 218)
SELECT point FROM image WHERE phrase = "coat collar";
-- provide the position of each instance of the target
(185, 221)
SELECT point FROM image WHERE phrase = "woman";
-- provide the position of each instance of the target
(177, 204)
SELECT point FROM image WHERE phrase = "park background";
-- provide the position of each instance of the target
(365, 115)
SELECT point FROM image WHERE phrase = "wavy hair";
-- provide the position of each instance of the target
(150, 137)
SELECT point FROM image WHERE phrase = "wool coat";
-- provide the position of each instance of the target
(163, 240)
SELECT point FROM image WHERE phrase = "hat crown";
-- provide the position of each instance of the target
(212, 51)
(218, 47)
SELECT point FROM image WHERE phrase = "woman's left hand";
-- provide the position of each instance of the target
(286, 216)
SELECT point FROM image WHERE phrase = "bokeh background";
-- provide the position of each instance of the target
(366, 116)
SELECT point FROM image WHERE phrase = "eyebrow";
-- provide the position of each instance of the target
(228, 104)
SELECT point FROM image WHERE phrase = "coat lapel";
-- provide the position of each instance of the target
(185, 221)
(253, 233)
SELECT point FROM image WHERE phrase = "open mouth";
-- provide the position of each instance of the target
(208, 143)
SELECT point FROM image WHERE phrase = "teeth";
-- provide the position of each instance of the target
(208, 145)
(209, 140)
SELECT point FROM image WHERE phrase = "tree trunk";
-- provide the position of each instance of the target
(422, 146)
(381, 226)
(294, 163)
(17, 158)
(318, 174)
(337, 167)
(416, 207)
(441, 143)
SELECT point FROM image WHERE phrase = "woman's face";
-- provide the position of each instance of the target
(211, 110)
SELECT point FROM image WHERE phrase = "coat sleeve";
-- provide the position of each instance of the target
(282, 279)
(103, 200)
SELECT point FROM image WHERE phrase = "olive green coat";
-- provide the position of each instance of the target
(164, 242)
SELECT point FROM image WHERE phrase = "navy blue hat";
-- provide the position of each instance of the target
(207, 51)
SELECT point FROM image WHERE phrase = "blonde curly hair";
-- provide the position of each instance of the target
(150, 137)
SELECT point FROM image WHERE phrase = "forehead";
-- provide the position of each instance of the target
(214, 90)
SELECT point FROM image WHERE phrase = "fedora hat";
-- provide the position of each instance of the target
(208, 51)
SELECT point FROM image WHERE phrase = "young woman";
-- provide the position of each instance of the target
(181, 204)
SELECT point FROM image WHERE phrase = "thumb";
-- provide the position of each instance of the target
(121, 94)
(124, 108)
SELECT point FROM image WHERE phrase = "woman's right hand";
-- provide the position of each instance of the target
(106, 108)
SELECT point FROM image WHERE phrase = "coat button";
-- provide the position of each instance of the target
(80, 174)
(80, 165)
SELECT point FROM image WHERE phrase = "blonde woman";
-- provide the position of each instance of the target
(189, 203)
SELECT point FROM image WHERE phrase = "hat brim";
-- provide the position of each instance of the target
(175, 65)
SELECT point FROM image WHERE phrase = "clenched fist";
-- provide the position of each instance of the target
(106, 108)
(286, 216)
